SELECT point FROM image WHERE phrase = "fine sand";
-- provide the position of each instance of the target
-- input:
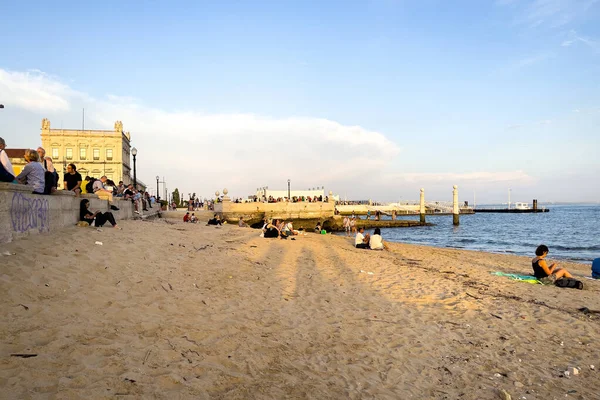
(170, 310)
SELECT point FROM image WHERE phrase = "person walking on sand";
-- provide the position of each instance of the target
(346, 224)
(544, 273)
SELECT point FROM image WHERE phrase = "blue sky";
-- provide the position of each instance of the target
(369, 98)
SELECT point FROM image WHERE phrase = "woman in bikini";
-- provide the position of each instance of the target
(543, 272)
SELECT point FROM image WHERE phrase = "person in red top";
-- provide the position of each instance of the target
(186, 217)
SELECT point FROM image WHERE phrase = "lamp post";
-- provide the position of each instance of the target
(157, 192)
(289, 198)
(134, 154)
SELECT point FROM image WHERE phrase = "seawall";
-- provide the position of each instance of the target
(23, 213)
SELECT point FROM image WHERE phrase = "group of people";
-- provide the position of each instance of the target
(371, 242)
(278, 229)
(293, 199)
(40, 175)
(190, 218)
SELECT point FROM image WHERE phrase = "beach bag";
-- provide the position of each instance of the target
(596, 268)
(569, 283)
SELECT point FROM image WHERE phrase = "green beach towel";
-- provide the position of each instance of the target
(523, 278)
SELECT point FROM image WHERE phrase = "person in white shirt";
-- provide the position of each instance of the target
(6, 164)
(361, 241)
(376, 241)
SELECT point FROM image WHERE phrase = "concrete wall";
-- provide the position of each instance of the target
(253, 212)
(23, 213)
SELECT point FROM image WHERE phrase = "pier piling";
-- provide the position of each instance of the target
(422, 206)
(455, 210)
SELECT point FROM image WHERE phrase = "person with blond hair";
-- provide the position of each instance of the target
(33, 173)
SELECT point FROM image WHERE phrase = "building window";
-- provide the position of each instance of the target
(109, 154)
(109, 176)
(82, 154)
(96, 154)
(69, 154)
(54, 154)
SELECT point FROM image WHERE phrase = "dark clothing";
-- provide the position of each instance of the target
(271, 233)
(72, 180)
(101, 218)
(214, 221)
(538, 271)
(362, 246)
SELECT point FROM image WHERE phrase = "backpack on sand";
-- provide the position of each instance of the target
(596, 268)
(569, 283)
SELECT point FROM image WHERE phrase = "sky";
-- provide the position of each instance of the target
(372, 99)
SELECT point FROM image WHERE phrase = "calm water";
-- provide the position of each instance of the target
(571, 232)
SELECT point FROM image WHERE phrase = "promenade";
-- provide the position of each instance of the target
(170, 310)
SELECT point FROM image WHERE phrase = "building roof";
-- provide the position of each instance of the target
(15, 153)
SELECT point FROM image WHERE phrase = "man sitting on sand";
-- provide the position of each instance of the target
(242, 223)
(186, 217)
(193, 219)
(361, 241)
(215, 220)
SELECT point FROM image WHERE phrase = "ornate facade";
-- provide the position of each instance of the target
(94, 152)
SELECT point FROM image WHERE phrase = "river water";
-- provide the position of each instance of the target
(572, 232)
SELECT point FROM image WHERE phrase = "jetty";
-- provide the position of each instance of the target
(519, 208)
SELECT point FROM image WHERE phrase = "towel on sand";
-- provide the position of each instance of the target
(523, 278)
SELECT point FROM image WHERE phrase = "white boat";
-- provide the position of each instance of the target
(521, 206)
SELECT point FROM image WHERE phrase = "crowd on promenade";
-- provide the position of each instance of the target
(293, 199)
(41, 177)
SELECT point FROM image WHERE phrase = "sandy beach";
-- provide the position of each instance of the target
(169, 310)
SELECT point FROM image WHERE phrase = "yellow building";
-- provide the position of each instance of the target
(94, 152)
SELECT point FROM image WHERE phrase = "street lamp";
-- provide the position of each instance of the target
(157, 192)
(134, 153)
(289, 198)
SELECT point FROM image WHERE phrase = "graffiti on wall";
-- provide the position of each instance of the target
(29, 213)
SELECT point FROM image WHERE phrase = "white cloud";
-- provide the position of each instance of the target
(34, 91)
(470, 177)
(199, 152)
(549, 13)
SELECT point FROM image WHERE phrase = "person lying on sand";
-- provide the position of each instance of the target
(543, 272)
(361, 241)
(376, 241)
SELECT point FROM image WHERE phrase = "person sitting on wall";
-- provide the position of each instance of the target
(376, 241)
(216, 220)
(7, 174)
(361, 241)
(102, 192)
(544, 273)
(72, 179)
(33, 175)
(186, 217)
(129, 194)
(84, 184)
(99, 218)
